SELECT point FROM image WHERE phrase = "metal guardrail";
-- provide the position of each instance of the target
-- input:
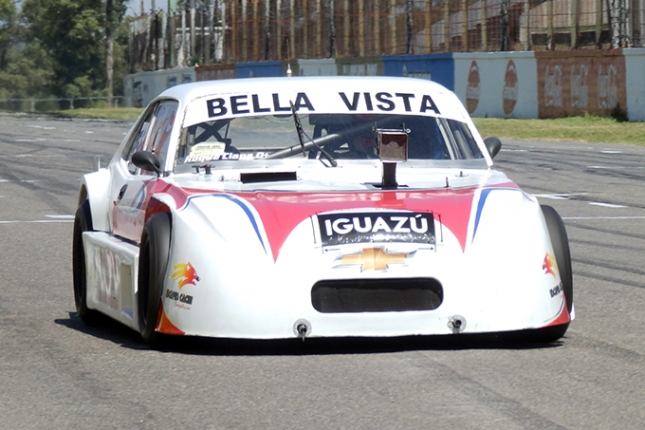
(31, 104)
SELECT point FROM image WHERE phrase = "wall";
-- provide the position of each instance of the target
(436, 67)
(635, 83)
(499, 84)
(140, 88)
(581, 82)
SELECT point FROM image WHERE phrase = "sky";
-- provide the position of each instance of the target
(135, 6)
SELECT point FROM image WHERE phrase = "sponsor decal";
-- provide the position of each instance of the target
(179, 298)
(549, 266)
(607, 87)
(579, 86)
(368, 227)
(106, 265)
(374, 259)
(200, 158)
(553, 86)
(243, 104)
(556, 291)
(510, 88)
(184, 274)
(473, 88)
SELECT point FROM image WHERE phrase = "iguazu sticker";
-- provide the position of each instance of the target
(405, 227)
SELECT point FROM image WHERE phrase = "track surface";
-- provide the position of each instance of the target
(56, 373)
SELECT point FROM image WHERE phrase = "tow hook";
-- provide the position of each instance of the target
(302, 328)
(457, 324)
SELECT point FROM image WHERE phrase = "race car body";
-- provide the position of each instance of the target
(315, 207)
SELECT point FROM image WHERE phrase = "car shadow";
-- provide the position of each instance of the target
(115, 332)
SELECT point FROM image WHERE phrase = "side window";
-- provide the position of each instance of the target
(137, 141)
(161, 128)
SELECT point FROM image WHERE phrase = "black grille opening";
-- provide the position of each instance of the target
(252, 177)
(376, 295)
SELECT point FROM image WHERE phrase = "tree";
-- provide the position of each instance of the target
(114, 12)
(7, 29)
(61, 48)
(70, 32)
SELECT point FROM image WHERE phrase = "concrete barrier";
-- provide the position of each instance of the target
(529, 84)
(581, 82)
(499, 84)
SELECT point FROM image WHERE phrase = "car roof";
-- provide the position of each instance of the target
(322, 94)
(190, 91)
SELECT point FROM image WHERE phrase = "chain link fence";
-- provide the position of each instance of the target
(56, 104)
(230, 31)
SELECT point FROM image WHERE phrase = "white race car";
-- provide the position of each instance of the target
(315, 207)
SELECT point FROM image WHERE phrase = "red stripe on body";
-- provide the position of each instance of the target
(281, 212)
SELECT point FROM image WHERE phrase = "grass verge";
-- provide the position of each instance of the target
(574, 129)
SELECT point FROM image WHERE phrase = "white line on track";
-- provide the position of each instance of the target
(35, 221)
(616, 167)
(60, 216)
(606, 205)
(602, 217)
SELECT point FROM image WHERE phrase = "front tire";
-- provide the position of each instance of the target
(562, 254)
(153, 263)
(82, 223)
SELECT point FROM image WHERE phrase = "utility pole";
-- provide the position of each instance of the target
(171, 33)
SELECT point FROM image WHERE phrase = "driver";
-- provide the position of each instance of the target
(362, 145)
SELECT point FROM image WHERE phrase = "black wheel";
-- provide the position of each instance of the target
(562, 254)
(560, 242)
(82, 222)
(153, 262)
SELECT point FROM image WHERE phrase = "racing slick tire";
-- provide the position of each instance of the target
(562, 254)
(560, 242)
(153, 262)
(82, 223)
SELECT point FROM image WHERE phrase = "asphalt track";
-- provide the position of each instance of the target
(56, 373)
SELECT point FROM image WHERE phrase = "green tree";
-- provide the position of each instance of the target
(7, 29)
(28, 72)
(114, 12)
(70, 33)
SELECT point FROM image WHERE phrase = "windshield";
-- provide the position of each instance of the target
(342, 136)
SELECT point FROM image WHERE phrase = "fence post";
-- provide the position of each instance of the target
(527, 17)
(503, 22)
(549, 32)
(428, 25)
(332, 28)
(484, 25)
(319, 23)
(598, 32)
(464, 25)
(361, 28)
(393, 32)
(292, 30)
(446, 25)
(278, 30)
(408, 27)
(574, 23)
(193, 50)
(376, 34)
(346, 28)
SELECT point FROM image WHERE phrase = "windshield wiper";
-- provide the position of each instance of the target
(301, 133)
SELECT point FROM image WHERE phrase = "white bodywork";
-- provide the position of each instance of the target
(245, 256)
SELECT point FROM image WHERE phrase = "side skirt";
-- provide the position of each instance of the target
(112, 267)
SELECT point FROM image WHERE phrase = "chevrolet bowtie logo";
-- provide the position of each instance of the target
(374, 259)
